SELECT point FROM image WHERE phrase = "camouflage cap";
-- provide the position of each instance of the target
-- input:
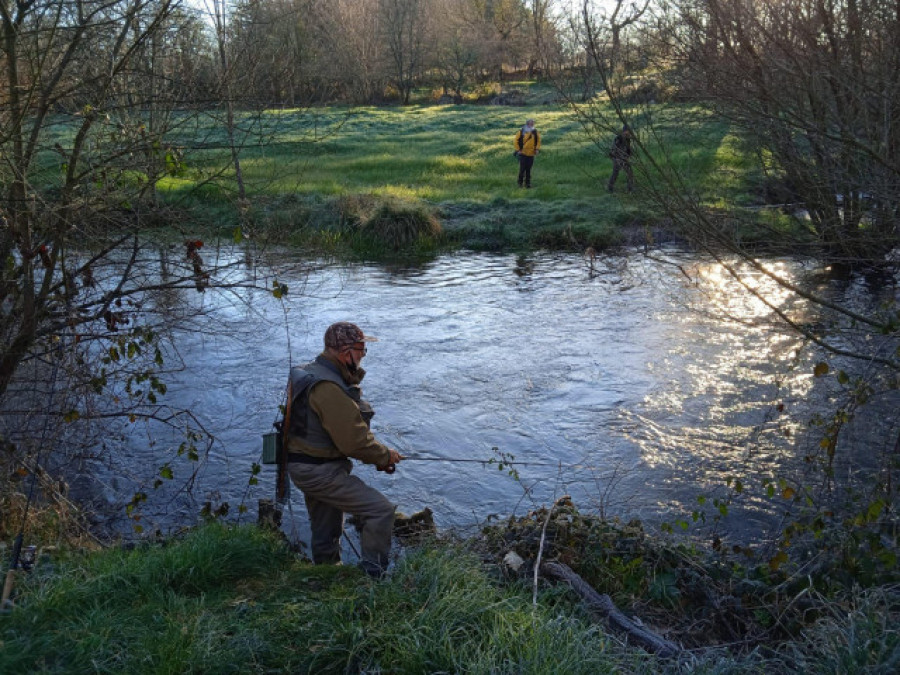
(344, 334)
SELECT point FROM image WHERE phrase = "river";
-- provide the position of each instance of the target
(635, 386)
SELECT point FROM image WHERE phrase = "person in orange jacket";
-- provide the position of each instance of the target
(528, 145)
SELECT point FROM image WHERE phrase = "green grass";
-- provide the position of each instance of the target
(432, 153)
(455, 161)
(233, 599)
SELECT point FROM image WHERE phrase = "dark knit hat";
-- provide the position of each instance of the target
(343, 334)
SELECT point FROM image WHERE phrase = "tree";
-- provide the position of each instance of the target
(456, 56)
(348, 34)
(87, 104)
(273, 43)
(502, 26)
(807, 91)
(816, 87)
(404, 28)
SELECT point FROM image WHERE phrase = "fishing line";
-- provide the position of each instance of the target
(498, 461)
(287, 494)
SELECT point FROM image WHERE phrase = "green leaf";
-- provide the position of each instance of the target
(875, 509)
(821, 369)
(71, 416)
(166, 472)
(237, 235)
(842, 377)
(777, 561)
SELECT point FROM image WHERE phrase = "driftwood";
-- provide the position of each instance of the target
(604, 606)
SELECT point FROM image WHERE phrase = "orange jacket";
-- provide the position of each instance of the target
(528, 143)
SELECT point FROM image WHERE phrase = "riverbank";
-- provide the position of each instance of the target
(236, 599)
(374, 181)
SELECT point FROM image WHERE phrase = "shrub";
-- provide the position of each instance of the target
(398, 224)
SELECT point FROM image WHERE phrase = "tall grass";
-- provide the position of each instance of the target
(235, 600)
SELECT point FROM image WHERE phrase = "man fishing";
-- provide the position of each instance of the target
(327, 423)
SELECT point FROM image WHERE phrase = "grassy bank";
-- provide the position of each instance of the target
(235, 599)
(317, 176)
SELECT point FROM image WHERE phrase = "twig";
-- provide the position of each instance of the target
(540, 553)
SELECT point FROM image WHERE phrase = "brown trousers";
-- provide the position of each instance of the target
(330, 492)
(621, 165)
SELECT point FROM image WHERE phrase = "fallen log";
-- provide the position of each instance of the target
(603, 605)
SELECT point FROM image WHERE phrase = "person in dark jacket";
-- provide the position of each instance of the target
(527, 145)
(620, 153)
(327, 424)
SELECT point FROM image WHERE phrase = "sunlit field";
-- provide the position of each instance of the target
(435, 153)
(301, 168)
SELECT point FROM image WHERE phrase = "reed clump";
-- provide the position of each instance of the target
(398, 224)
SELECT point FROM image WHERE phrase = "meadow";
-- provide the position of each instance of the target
(322, 169)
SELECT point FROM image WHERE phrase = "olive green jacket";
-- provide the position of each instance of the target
(340, 416)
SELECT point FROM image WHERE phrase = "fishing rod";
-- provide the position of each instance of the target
(494, 460)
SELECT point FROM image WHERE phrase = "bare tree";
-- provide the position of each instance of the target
(457, 49)
(348, 35)
(502, 26)
(816, 86)
(404, 27)
(806, 89)
(220, 12)
(88, 102)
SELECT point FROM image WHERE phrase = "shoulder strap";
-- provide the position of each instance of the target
(521, 139)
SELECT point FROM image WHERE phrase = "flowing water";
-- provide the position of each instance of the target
(634, 386)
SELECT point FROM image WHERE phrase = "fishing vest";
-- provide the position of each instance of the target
(305, 423)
